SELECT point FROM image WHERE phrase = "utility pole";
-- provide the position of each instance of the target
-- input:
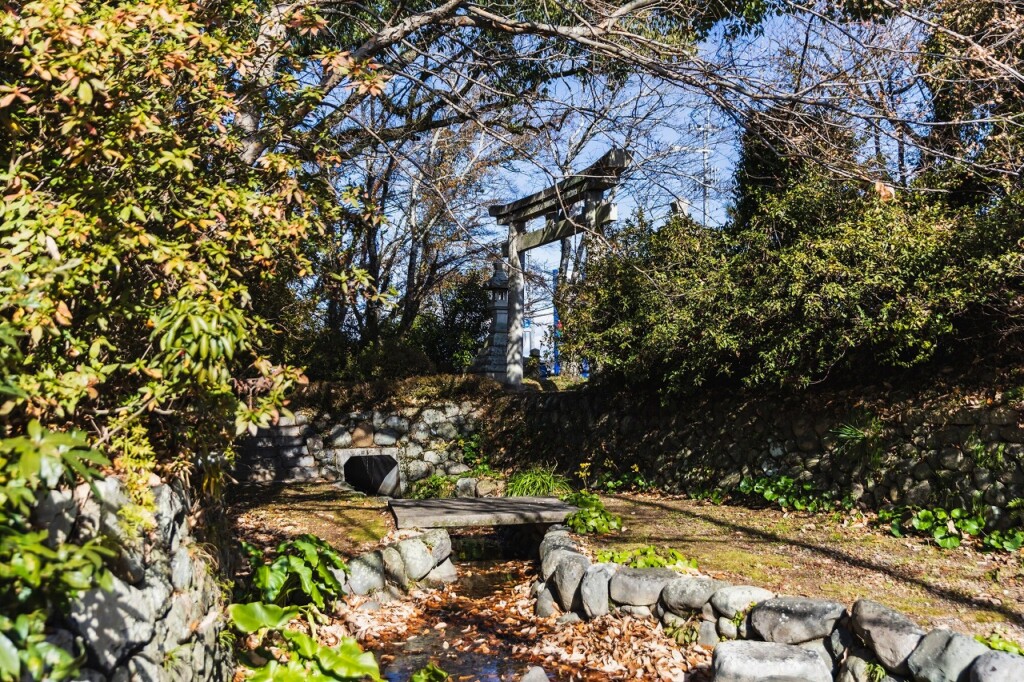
(705, 153)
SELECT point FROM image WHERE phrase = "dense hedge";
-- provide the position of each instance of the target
(822, 279)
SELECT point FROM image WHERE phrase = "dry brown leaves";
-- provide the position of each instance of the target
(503, 624)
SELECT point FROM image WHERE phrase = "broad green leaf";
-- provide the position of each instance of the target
(258, 616)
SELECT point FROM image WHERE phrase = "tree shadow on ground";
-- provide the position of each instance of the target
(952, 595)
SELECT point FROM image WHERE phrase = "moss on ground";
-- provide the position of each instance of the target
(265, 514)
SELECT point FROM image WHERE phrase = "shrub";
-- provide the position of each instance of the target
(133, 240)
(434, 486)
(37, 579)
(304, 571)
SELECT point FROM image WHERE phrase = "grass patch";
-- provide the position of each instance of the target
(538, 481)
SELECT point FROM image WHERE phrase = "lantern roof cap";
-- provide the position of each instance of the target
(499, 280)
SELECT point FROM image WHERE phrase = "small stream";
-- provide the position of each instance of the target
(490, 566)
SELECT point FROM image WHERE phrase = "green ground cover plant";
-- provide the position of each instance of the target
(592, 517)
(998, 642)
(949, 528)
(648, 556)
(301, 656)
(788, 493)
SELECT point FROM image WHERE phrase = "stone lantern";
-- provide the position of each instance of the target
(491, 360)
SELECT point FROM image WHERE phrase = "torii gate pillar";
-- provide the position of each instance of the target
(516, 306)
(553, 203)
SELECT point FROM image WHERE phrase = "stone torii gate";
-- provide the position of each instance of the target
(554, 204)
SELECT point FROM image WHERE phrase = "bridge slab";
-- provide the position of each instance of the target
(479, 511)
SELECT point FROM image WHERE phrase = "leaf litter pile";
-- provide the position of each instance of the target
(463, 627)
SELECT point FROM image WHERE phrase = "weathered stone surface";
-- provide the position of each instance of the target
(417, 470)
(734, 599)
(545, 606)
(366, 573)
(944, 656)
(487, 487)
(707, 634)
(888, 633)
(385, 437)
(457, 469)
(56, 512)
(362, 436)
(792, 620)
(566, 579)
(113, 624)
(568, 618)
(998, 666)
(416, 556)
(556, 541)
(727, 629)
(689, 593)
(534, 674)
(594, 593)
(857, 668)
(441, 575)
(742, 661)
(639, 586)
(465, 487)
(637, 611)
(551, 560)
(439, 542)
(394, 567)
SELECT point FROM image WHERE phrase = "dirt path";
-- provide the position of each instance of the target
(828, 556)
(266, 514)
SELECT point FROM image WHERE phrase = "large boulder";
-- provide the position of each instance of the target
(553, 541)
(998, 666)
(441, 575)
(417, 558)
(792, 620)
(639, 586)
(944, 656)
(366, 573)
(549, 562)
(394, 567)
(567, 578)
(439, 543)
(888, 633)
(594, 594)
(545, 606)
(734, 599)
(742, 661)
(689, 593)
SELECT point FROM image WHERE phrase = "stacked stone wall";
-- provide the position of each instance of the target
(315, 445)
(162, 620)
(957, 449)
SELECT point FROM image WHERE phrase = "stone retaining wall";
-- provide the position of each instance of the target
(759, 635)
(316, 445)
(941, 449)
(162, 619)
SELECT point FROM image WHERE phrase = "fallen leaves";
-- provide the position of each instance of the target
(501, 625)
